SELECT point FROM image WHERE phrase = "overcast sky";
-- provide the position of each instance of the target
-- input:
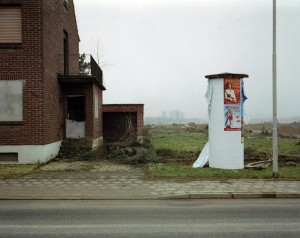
(157, 52)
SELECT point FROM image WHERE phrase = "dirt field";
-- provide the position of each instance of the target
(291, 130)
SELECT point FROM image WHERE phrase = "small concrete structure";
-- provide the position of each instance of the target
(226, 143)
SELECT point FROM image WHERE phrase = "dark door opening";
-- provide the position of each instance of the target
(75, 121)
(119, 126)
(76, 108)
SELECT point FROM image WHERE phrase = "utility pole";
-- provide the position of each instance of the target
(274, 72)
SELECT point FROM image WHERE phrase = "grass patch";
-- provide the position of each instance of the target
(13, 171)
(195, 141)
(178, 140)
(176, 171)
(264, 144)
(181, 141)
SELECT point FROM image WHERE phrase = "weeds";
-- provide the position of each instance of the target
(14, 171)
(128, 152)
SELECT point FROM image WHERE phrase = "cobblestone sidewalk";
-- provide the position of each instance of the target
(109, 181)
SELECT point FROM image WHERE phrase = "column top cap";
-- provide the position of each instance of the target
(226, 75)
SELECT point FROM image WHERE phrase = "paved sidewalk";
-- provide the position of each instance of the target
(125, 182)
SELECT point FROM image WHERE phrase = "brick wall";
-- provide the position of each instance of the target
(26, 64)
(37, 64)
(57, 19)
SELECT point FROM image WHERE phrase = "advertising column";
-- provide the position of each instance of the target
(225, 98)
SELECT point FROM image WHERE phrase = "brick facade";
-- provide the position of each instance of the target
(37, 62)
(26, 64)
(57, 19)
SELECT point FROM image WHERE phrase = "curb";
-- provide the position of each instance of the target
(253, 195)
(226, 195)
(288, 195)
(230, 195)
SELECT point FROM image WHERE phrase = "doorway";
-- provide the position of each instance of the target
(75, 120)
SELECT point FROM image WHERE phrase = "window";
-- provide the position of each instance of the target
(9, 157)
(11, 100)
(10, 25)
(66, 53)
(96, 106)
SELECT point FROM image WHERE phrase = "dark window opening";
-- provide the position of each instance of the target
(76, 108)
(8, 157)
(66, 53)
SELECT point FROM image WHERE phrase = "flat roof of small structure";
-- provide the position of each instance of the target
(226, 75)
(122, 107)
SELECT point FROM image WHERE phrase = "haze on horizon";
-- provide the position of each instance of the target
(157, 52)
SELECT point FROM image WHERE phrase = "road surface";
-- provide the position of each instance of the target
(164, 218)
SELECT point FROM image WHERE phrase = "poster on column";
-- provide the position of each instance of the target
(232, 107)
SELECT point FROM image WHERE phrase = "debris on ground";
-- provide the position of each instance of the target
(193, 127)
(259, 165)
(265, 132)
(251, 154)
(125, 152)
(129, 152)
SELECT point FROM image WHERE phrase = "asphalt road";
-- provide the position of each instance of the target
(165, 218)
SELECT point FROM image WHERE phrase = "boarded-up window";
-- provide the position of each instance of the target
(11, 100)
(10, 25)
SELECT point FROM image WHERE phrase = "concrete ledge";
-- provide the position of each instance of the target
(31, 154)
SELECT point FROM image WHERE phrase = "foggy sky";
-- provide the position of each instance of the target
(157, 52)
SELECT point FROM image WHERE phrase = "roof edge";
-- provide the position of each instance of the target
(226, 75)
(80, 79)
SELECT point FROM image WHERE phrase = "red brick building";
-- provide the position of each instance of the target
(44, 94)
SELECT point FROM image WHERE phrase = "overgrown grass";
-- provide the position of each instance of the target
(13, 171)
(176, 171)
